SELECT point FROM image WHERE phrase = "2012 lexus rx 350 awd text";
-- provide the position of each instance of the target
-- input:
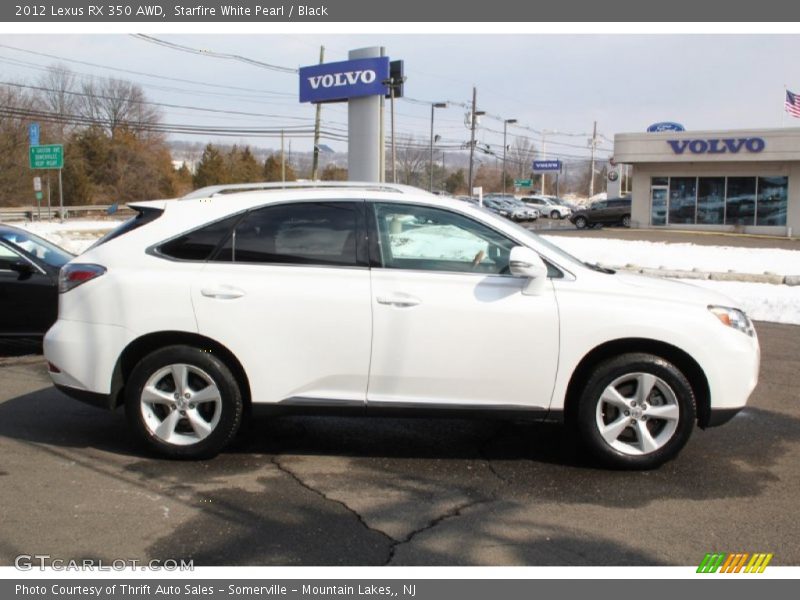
(383, 298)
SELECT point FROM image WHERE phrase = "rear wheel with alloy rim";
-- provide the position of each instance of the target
(626, 221)
(636, 412)
(555, 215)
(183, 402)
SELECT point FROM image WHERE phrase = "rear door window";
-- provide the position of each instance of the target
(301, 233)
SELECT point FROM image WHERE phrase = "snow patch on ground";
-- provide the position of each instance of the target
(619, 253)
(761, 301)
(73, 235)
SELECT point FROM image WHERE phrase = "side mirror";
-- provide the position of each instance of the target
(524, 262)
(23, 267)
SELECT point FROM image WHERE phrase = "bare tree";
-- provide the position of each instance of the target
(520, 156)
(59, 96)
(15, 184)
(412, 161)
(115, 103)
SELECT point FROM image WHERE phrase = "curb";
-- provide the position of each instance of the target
(772, 278)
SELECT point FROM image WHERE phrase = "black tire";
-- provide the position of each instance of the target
(226, 411)
(581, 222)
(626, 221)
(555, 215)
(670, 435)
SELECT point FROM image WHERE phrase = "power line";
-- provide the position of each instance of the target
(149, 103)
(121, 70)
(211, 53)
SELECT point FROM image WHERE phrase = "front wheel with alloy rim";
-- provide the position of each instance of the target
(555, 215)
(581, 222)
(626, 221)
(183, 402)
(636, 412)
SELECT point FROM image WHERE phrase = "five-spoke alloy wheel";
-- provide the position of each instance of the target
(636, 411)
(183, 402)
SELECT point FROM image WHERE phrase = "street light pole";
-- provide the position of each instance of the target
(393, 83)
(506, 123)
(434, 106)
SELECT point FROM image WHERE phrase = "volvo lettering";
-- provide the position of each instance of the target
(340, 79)
(718, 145)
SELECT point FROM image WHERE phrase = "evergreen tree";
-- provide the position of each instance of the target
(211, 168)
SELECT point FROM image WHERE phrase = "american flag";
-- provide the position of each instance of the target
(792, 104)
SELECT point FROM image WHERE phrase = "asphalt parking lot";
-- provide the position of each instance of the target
(336, 491)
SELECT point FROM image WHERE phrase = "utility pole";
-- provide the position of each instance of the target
(315, 161)
(474, 114)
(506, 123)
(283, 161)
(593, 144)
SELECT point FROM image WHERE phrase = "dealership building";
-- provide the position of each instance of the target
(736, 180)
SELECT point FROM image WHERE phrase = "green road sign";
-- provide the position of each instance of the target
(523, 182)
(50, 156)
(38, 195)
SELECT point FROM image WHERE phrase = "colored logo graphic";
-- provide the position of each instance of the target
(737, 562)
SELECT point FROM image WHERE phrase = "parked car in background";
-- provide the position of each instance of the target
(547, 206)
(501, 208)
(510, 208)
(562, 202)
(614, 211)
(373, 298)
(29, 268)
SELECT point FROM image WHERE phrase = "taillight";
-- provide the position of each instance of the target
(72, 275)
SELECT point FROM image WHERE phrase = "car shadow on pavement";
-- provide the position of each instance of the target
(400, 491)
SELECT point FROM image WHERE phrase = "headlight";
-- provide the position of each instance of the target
(733, 317)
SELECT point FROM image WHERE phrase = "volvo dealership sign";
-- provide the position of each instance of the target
(718, 145)
(546, 166)
(665, 126)
(339, 81)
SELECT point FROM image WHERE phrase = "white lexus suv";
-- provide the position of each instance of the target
(379, 298)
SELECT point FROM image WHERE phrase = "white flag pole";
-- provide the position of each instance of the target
(783, 106)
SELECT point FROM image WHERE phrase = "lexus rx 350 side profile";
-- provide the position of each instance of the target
(383, 299)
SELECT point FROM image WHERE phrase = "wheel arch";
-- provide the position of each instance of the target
(144, 345)
(681, 359)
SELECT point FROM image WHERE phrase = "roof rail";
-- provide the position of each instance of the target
(236, 188)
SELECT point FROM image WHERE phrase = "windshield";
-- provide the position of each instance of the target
(45, 251)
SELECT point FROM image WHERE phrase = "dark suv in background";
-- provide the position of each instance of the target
(604, 212)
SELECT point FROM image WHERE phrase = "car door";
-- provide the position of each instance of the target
(451, 327)
(289, 294)
(28, 294)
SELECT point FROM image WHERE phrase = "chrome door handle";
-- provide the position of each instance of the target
(399, 300)
(222, 292)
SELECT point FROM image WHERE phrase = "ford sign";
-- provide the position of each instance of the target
(665, 126)
(336, 82)
(718, 145)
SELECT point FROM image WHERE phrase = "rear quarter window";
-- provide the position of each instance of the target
(200, 243)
